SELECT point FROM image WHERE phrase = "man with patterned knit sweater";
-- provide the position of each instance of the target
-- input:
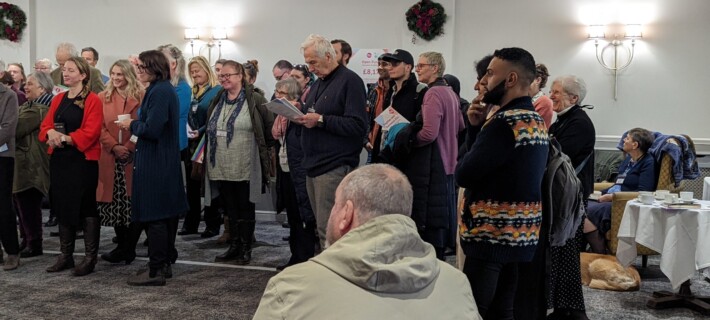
(502, 171)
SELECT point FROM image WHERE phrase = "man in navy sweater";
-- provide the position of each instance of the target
(334, 126)
(502, 173)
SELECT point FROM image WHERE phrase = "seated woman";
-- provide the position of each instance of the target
(636, 173)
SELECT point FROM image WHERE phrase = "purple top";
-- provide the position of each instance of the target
(442, 122)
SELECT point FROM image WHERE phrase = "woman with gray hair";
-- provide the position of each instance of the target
(576, 135)
(291, 179)
(32, 163)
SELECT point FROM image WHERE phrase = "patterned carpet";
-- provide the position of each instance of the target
(201, 289)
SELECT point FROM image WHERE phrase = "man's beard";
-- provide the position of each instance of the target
(495, 96)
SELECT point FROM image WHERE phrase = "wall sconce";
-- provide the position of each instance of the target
(192, 34)
(218, 34)
(631, 31)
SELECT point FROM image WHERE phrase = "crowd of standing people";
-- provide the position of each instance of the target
(138, 149)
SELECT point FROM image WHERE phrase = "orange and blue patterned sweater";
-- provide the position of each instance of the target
(502, 173)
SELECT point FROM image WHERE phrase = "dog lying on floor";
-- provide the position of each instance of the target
(604, 272)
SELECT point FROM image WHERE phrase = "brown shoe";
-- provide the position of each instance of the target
(12, 261)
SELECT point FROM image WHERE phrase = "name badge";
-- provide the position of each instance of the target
(221, 133)
(134, 138)
(620, 179)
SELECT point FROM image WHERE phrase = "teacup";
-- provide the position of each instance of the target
(686, 195)
(122, 117)
(646, 198)
(661, 194)
(671, 198)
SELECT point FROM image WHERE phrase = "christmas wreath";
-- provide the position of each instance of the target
(18, 18)
(426, 19)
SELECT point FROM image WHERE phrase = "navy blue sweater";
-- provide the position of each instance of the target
(502, 173)
(340, 98)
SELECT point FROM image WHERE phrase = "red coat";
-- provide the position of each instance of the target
(86, 138)
(109, 138)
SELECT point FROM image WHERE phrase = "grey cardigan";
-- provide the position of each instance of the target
(8, 121)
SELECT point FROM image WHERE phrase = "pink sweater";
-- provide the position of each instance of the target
(442, 123)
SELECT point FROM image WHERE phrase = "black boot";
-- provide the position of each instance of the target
(92, 228)
(246, 235)
(120, 253)
(148, 277)
(235, 245)
(65, 260)
(33, 249)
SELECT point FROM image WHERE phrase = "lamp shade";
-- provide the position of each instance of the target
(596, 31)
(633, 31)
(191, 34)
(219, 33)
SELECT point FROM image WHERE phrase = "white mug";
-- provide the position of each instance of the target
(686, 195)
(671, 198)
(122, 117)
(662, 193)
(646, 198)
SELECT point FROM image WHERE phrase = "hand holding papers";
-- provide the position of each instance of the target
(285, 108)
(389, 117)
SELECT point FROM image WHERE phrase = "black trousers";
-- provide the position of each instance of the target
(493, 285)
(192, 187)
(302, 237)
(235, 198)
(8, 220)
(160, 245)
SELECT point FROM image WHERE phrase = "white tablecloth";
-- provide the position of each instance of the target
(682, 236)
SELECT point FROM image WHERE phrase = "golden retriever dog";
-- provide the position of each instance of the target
(600, 271)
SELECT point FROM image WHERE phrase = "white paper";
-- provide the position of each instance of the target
(59, 89)
(283, 107)
(3, 148)
(389, 117)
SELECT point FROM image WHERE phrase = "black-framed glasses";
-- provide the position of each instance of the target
(422, 65)
(227, 75)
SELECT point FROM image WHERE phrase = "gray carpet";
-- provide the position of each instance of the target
(203, 290)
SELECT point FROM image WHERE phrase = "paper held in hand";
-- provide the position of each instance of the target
(389, 117)
(283, 107)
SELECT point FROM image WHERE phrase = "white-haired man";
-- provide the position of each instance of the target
(65, 51)
(377, 266)
(333, 128)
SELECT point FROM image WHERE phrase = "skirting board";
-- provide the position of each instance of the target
(702, 145)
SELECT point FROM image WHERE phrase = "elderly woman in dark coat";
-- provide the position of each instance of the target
(158, 194)
(32, 162)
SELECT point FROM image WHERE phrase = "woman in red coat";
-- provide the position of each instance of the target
(121, 98)
(72, 129)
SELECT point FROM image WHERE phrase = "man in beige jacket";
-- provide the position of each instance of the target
(376, 265)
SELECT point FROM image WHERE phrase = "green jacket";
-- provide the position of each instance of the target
(31, 158)
(261, 121)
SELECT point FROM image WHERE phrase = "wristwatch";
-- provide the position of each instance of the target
(321, 123)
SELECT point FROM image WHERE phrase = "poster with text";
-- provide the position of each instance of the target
(364, 63)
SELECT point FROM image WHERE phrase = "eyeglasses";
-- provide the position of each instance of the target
(283, 93)
(41, 68)
(421, 65)
(227, 75)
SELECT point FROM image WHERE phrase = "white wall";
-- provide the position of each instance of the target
(663, 89)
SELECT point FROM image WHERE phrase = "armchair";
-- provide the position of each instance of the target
(619, 200)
